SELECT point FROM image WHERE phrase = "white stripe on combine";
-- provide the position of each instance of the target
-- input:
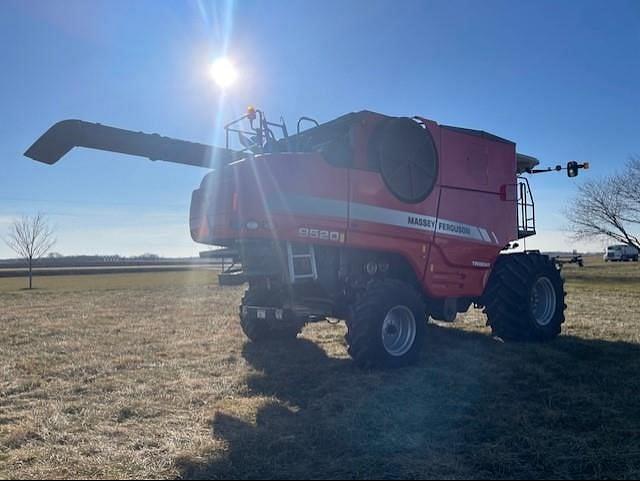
(301, 204)
(382, 215)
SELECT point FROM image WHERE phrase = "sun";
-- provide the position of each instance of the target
(223, 72)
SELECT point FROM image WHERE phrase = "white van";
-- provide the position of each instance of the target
(621, 253)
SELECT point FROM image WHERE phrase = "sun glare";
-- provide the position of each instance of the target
(223, 72)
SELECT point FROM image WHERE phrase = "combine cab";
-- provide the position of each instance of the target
(379, 221)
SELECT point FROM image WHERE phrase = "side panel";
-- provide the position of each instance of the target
(476, 163)
(379, 221)
(277, 196)
(474, 220)
(296, 196)
(469, 237)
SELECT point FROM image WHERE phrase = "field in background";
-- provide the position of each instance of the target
(120, 280)
(148, 376)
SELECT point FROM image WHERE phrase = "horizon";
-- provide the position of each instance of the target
(58, 256)
(558, 79)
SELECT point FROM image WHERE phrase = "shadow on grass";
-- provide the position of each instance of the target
(473, 408)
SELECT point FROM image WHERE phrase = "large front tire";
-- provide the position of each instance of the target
(386, 326)
(525, 298)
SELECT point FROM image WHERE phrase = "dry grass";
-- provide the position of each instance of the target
(98, 282)
(148, 376)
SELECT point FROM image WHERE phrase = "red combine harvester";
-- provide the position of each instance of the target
(380, 221)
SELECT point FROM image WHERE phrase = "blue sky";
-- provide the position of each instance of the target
(559, 78)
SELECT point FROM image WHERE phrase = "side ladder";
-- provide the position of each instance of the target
(302, 262)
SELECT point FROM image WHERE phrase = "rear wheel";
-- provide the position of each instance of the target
(386, 326)
(524, 299)
(260, 330)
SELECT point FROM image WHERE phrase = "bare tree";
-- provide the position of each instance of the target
(609, 207)
(630, 188)
(31, 238)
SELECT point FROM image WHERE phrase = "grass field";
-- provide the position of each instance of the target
(148, 376)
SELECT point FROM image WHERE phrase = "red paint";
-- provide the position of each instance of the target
(474, 187)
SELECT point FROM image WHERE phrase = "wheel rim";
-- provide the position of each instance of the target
(398, 331)
(543, 301)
